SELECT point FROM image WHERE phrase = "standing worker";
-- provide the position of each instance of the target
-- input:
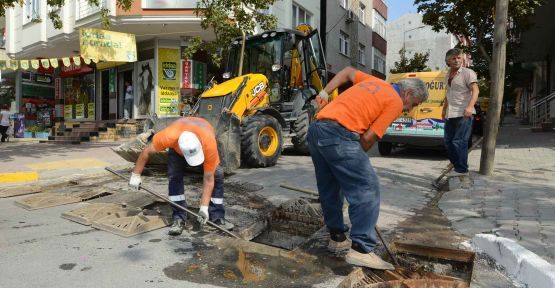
(344, 130)
(128, 101)
(192, 141)
(462, 93)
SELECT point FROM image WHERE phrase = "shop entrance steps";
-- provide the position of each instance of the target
(99, 131)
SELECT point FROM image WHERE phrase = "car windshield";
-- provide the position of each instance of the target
(260, 54)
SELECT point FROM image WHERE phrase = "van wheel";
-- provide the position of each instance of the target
(261, 141)
(385, 148)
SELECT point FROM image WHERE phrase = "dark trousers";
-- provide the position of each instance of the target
(3, 132)
(176, 171)
(343, 170)
(457, 133)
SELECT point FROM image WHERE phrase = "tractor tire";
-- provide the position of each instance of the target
(300, 127)
(385, 148)
(261, 141)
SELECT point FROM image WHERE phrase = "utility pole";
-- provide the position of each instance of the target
(496, 96)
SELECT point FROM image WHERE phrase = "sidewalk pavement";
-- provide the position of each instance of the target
(518, 201)
(28, 162)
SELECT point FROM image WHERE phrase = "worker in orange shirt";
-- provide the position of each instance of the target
(191, 141)
(338, 140)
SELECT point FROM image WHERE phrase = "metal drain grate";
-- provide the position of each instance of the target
(129, 223)
(89, 213)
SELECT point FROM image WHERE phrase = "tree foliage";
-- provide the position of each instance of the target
(417, 63)
(227, 18)
(474, 20)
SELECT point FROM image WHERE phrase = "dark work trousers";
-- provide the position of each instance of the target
(3, 132)
(176, 171)
(457, 133)
(343, 169)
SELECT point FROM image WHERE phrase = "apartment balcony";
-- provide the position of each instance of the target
(83, 9)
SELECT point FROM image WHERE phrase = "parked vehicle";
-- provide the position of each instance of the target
(423, 126)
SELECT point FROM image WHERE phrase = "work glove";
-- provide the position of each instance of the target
(203, 215)
(135, 181)
(322, 99)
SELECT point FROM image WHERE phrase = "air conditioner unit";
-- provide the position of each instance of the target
(350, 17)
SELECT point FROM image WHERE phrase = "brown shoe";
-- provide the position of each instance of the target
(339, 247)
(370, 260)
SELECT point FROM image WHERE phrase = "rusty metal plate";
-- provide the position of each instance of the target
(50, 199)
(129, 223)
(18, 191)
(89, 213)
(434, 252)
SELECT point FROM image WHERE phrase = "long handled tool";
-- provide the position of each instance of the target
(308, 191)
(450, 167)
(173, 204)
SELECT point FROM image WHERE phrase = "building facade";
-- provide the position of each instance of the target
(291, 13)
(410, 33)
(354, 35)
(96, 91)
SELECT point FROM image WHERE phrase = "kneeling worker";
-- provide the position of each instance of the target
(191, 140)
(338, 140)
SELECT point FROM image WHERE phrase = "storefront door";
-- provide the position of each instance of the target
(109, 94)
(125, 79)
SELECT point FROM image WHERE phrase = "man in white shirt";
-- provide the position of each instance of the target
(4, 122)
(458, 111)
(128, 101)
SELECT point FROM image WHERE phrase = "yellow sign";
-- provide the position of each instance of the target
(54, 62)
(35, 64)
(68, 112)
(12, 64)
(90, 110)
(45, 63)
(79, 111)
(106, 45)
(66, 61)
(77, 60)
(24, 64)
(169, 76)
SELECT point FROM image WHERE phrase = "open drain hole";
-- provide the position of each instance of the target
(292, 224)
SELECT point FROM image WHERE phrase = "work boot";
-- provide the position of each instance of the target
(339, 247)
(370, 260)
(224, 224)
(177, 227)
(456, 174)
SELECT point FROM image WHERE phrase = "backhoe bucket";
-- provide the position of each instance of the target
(228, 134)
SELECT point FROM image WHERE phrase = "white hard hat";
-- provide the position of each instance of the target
(191, 148)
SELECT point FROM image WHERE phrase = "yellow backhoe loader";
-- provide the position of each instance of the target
(273, 78)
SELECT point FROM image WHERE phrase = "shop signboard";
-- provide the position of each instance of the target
(199, 75)
(75, 70)
(58, 88)
(107, 45)
(168, 81)
(68, 112)
(90, 110)
(79, 111)
(19, 125)
(145, 80)
(112, 80)
(41, 78)
(187, 73)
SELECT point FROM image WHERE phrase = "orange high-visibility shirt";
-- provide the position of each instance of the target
(370, 103)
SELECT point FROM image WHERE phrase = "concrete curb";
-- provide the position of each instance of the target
(520, 262)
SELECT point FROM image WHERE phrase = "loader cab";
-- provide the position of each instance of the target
(292, 61)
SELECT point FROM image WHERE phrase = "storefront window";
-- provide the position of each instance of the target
(37, 99)
(78, 91)
(7, 90)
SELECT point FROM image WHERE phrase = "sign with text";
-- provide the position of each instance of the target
(169, 77)
(90, 110)
(79, 111)
(187, 73)
(107, 45)
(68, 112)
